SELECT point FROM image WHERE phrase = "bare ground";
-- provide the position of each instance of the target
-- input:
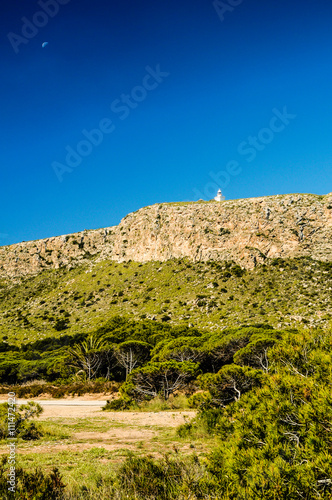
(90, 427)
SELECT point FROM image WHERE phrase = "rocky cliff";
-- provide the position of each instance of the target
(247, 231)
(69, 250)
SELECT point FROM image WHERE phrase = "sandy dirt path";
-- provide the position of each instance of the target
(78, 408)
(89, 427)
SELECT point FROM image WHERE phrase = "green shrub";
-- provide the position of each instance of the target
(30, 431)
(200, 400)
(144, 478)
(31, 486)
(118, 404)
(61, 324)
(21, 414)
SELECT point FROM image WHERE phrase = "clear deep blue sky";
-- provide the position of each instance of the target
(225, 78)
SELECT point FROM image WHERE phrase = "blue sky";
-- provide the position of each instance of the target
(224, 78)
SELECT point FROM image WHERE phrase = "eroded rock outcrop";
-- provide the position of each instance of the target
(247, 231)
(70, 250)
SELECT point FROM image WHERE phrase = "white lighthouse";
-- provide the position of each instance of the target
(219, 196)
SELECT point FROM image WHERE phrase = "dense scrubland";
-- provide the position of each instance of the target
(210, 295)
(264, 393)
(253, 359)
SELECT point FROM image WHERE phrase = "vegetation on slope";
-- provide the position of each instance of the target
(251, 350)
(207, 295)
(264, 393)
(275, 432)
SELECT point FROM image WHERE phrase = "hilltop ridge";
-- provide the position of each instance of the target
(246, 231)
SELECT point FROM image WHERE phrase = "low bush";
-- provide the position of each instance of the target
(31, 431)
(118, 404)
(144, 478)
(19, 417)
(63, 389)
(35, 485)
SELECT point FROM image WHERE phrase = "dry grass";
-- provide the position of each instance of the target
(87, 445)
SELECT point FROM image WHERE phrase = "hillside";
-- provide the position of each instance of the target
(225, 308)
(211, 265)
(208, 295)
(248, 232)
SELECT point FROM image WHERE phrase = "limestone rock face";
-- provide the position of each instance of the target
(70, 250)
(247, 231)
